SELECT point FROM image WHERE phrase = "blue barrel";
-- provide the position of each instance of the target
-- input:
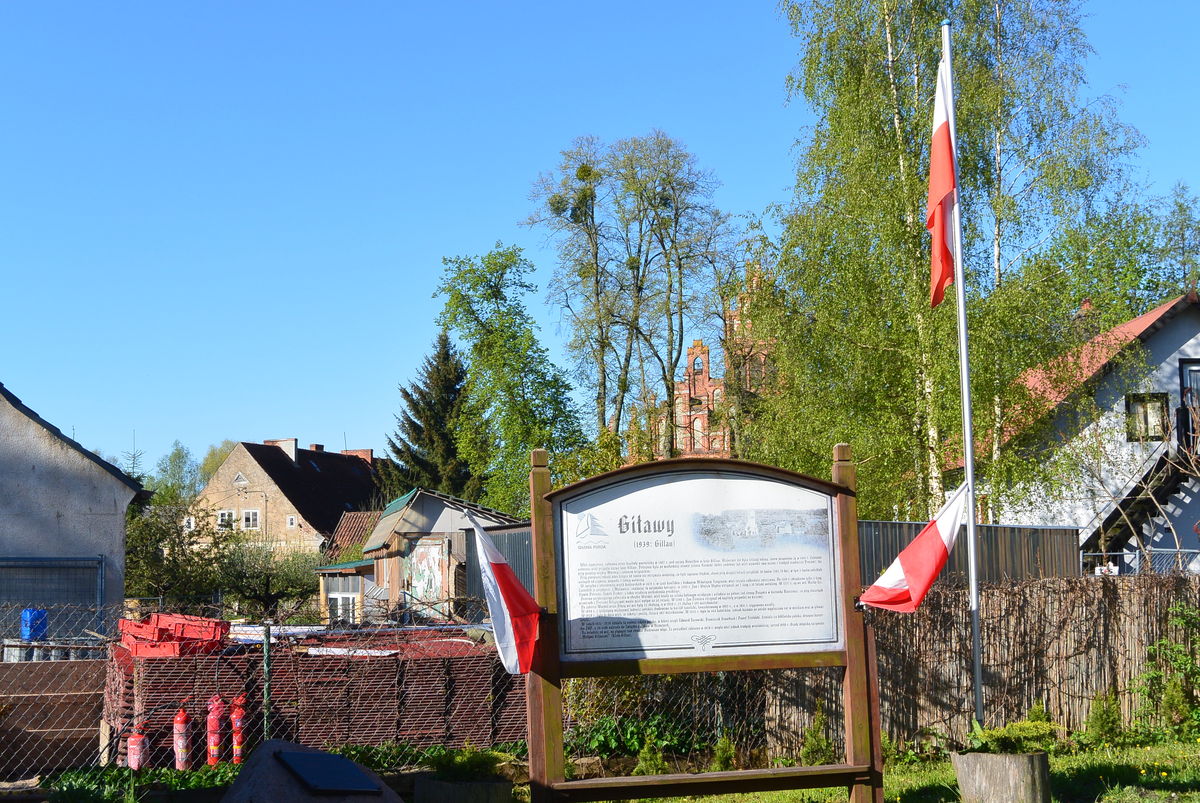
(34, 624)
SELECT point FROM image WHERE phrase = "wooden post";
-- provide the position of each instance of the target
(856, 690)
(543, 686)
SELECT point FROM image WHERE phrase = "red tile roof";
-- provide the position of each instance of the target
(352, 531)
(1053, 382)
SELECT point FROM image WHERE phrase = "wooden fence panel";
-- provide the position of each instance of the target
(49, 715)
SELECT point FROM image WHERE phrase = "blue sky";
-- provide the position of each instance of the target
(226, 219)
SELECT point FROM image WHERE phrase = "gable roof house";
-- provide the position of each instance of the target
(290, 496)
(1128, 477)
(62, 515)
(419, 550)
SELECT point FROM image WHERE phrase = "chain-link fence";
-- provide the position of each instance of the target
(74, 689)
(72, 695)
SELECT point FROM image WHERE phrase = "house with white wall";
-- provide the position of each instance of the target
(1126, 471)
(62, 515)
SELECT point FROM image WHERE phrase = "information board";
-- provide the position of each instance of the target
(698, 562)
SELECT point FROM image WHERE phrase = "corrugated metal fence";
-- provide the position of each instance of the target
(1005, 553)
(515, 544)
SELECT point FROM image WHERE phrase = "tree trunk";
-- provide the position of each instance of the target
(1011, 777)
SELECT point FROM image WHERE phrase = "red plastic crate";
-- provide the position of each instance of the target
(170, 649)
(142, 630)
(190, 627)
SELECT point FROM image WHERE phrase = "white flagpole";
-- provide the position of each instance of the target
(964, 372)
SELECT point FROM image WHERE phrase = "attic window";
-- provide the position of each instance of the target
(240, 479)
(1146, 417)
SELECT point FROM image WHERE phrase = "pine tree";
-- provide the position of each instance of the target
(423, 449)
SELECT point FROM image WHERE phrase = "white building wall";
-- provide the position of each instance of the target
(55, 502)
(1099, 464)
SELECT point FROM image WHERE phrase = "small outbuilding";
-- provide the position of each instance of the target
(419, 549)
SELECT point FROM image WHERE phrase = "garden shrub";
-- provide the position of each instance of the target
(815, 747)
(1170, 684)
(1103, 725)
(1022, 736)
(723, 755)
(467, 764)
(1037, 713)
(650, 759)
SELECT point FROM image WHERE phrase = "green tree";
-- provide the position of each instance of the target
(861, 356)
(176, 480)
(172, 553)
(272, 580)
(638, 239)
(1180, 239)
(170, 548)
(213, 458)
(423, 448)
(516, 400)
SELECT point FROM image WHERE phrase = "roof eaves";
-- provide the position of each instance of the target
(350, 564)
(130, 482)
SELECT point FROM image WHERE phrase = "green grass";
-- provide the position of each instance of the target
(1109, 775)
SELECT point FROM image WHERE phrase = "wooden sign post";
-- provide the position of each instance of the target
(664, 568)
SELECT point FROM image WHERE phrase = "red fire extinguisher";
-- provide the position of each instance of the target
(137, 749)
(237, 721)
(182, 739)
(216, 710)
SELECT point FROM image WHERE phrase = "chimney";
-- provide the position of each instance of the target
(316, 447)
(365, 454)
(287, 444)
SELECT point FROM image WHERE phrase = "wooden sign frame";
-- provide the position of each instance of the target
(861, 771)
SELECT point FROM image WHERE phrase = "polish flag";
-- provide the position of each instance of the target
(943, 192)
(907, 580)
(513, 610)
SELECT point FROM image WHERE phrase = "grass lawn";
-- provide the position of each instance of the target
(1115, 775)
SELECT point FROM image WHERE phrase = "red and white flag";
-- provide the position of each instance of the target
(513, 610)
(907, 580)
(943, 192)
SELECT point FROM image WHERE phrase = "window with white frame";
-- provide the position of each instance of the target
(1146, 417)
(291, 522)
(249, 519)
(189, 523)
(341, 597)
(224, 519)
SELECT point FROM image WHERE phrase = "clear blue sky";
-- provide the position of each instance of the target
(226, 219)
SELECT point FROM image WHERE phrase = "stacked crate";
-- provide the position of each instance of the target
(165, 635)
